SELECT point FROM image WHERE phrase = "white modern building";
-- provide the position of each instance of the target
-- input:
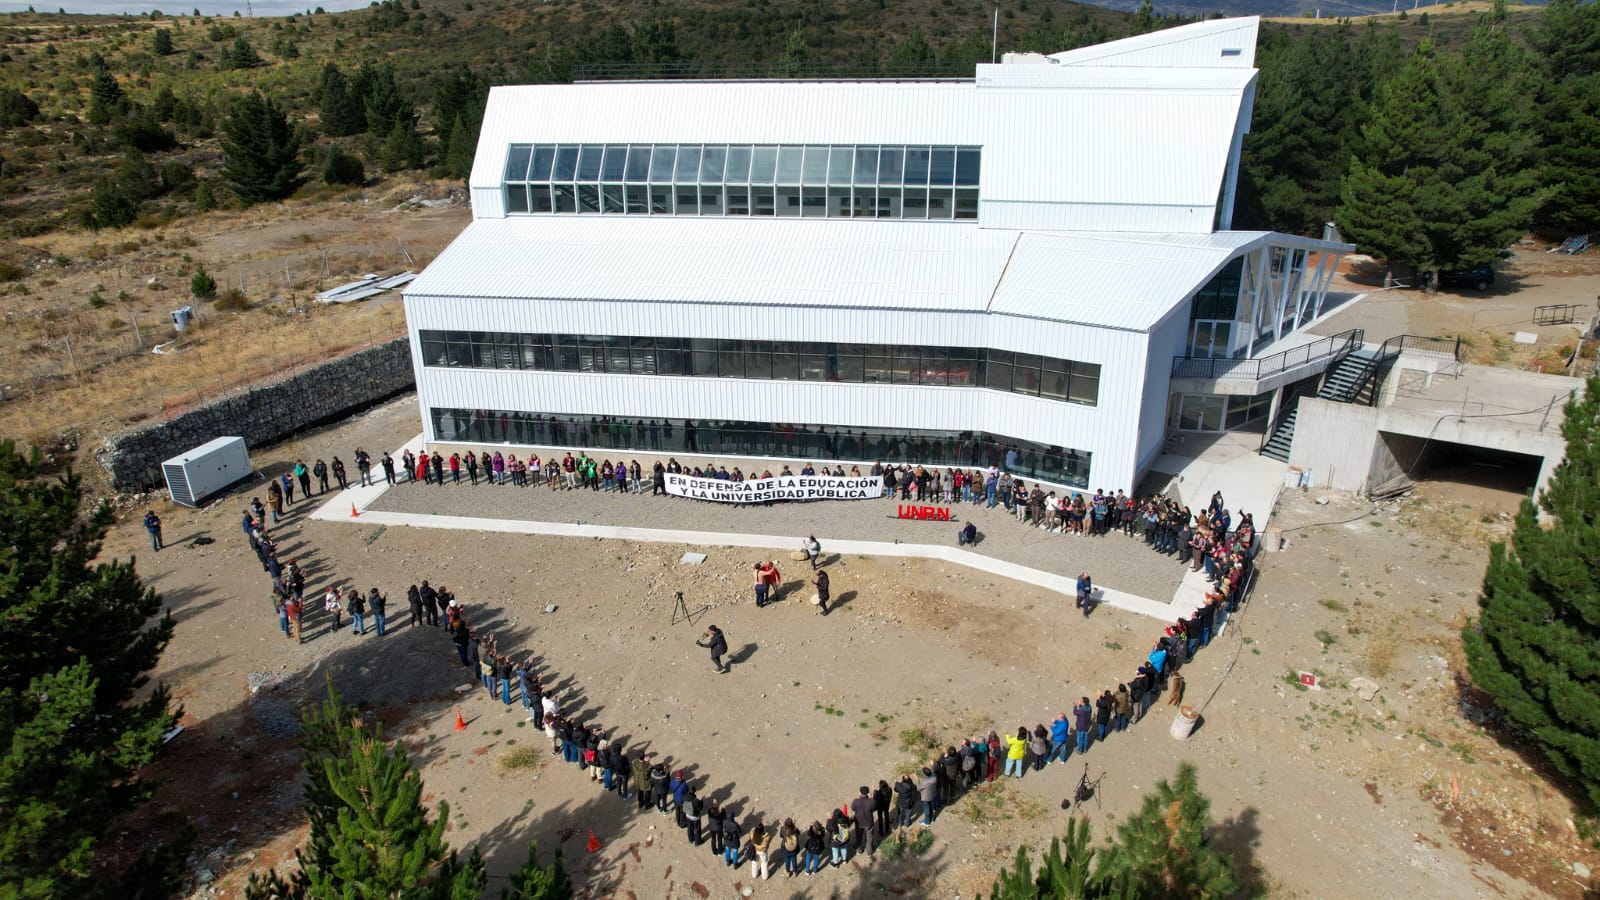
(1038, 258)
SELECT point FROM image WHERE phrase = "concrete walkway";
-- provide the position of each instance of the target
(339, 508)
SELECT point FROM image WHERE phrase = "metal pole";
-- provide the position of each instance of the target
(994, 40)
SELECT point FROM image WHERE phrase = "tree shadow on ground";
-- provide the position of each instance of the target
(1239, 836)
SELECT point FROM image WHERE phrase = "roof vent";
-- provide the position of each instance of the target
(1232, 51)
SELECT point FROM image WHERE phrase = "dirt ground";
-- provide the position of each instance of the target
(1412, 794)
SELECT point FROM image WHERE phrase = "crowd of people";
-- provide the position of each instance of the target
(864, 819)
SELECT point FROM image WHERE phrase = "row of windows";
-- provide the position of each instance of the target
(860, 446)
(823, 165)
(745, 200)
(1001, 370)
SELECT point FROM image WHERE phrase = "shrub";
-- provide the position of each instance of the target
(343, 168)
(232, 300)
(202, 285)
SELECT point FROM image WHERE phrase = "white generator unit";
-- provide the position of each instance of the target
(207, 469)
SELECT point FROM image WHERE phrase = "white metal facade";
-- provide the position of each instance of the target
(1104, 172)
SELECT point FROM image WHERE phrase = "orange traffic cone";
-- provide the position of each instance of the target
(461, 724)
(594, 842)
(353, 513)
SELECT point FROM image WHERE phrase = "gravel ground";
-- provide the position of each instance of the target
(1115, 561)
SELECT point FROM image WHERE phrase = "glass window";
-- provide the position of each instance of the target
(788, 201)
(565, 200)
(588, 198)
(638, 164)
(967, 165)
(966, 203)
(616, 162)
(941, 203)
(789, 164)
(762, 202)
(786, 366)
(763, 161)
(813, 367)
(866, 165)
(917, 161)
(566, 163)
(661, 163)
(738, 166)
(904, 367)
(539, 198)
(688, 199)
(839, 202)
(710, 199)
(1025, 377)
(517, 162)
(730, 360)
(879, 364)
(813, 201)
(1053, 380)
(998, 370)
(1084, 384)
(611, 198)
(942, 167)
(636, 198)
(661, 199)
(711, 161)
(891, 164)
(738, 201)
(864, 203)
(935, 366)
(589, 162)
(840, 160)
(915, 203)
(688, 164)
(433, 353)
(758, 359)
(543, 156)
(516, 198)
(889, 199)
(816, 167)
(963, 367)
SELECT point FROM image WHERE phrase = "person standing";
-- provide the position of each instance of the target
(816, 841)
(358, 613)
(461, 636)
(1122, 707)
(388, 468)
(438, 469)
(769, 573)
(364, 466)
(1060, 739)
(881, 800)
(320, 469)
(288, 488)
(694, 809)
(1085, 593)
(280, 606)
(760, 843)
(760, 586)
(1082, 718)
(292, 607)
(339, 474)
(304, 475)
(813, 551)
(1102, 713)
(330, 602)
(378, 603)
(1016, 747)
(862, 808)
(714, 817)
(414, 598)
(822, 591)
(152, 524)
(928, 793)
(789, 843)
(717, 643)
(731, 835)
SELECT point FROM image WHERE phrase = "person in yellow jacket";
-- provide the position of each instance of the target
(1016, 748)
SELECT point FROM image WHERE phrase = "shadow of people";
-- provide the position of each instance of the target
(742, 655)
(841, 601)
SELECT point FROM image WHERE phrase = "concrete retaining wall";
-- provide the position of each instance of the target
(261, 414)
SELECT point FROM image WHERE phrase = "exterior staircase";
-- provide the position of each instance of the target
(1345, 383)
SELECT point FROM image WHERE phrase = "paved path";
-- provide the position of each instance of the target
(358, 499)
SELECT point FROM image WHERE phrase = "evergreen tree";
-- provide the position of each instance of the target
(80, 640)
(1162, 851)
(402, 148)
(383, 102)
(912, 55)
(161, 42)
(370, 834)
(343, 168)
(796, 55)
(1567, 43)
(16, 109)
(1444, 180)
(263, 150)
(105, 97)
(458, 155)
(1532, 647)
(458, 102)
(1067, 872)
(655, 42)
(201, 285)
(241, 55)
(539, 882)
(341, 110)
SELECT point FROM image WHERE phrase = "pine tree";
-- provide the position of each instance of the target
(1532, 646)
(370, 834)
(161, 42)
(105, 97)
(80, 640)
(341, 111)
(241, 56)
(383, 102)
(458, 155)
(1162, 851)
(1567, 42)
(1066, 872)
(263, 151)
(1444, 179)
(539, 882)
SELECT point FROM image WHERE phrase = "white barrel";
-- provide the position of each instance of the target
(1183, 725)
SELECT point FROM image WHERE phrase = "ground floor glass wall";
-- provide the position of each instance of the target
(1213, 412)
(1062, 465)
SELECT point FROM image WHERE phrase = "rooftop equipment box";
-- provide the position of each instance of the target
(207, 469)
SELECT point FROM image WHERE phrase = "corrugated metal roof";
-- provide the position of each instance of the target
(1218, 42)
(722, 260)
(1124, 281)
(1127, 281)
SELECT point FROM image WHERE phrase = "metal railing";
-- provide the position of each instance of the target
(1390, 350)
(1332, 349)
(1558, 314)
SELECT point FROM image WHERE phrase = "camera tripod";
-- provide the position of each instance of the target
(682, 613)
(1085, 790)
